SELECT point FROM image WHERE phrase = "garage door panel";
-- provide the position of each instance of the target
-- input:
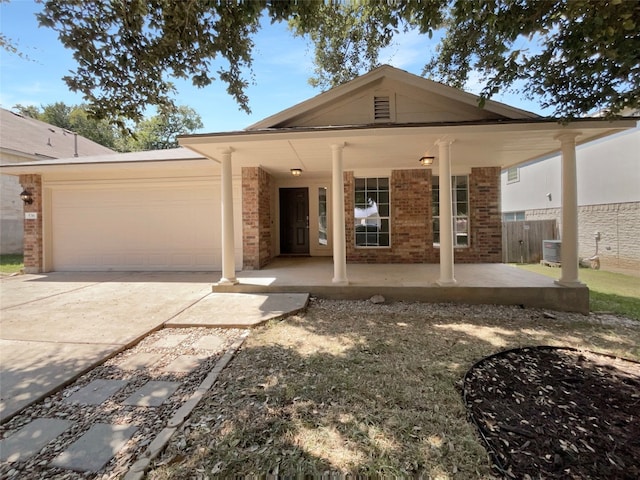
(136, 228)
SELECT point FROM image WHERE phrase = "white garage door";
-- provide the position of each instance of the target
(136, 228)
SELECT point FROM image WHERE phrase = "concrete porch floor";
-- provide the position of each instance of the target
(487, 283)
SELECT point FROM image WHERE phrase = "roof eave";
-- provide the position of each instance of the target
(623, 123)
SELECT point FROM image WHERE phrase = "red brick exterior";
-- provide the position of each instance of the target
(412, 226)
(485, 218)
(257, 186)
(33, 244)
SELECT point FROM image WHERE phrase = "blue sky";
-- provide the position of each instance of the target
(282, 65)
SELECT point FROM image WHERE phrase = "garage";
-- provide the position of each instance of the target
(135, 226)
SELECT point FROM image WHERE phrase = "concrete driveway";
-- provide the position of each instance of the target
(54, 327)
(57, 326)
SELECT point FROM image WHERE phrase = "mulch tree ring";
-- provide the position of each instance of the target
(547, 412)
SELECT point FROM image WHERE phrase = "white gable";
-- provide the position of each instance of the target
(391, 96)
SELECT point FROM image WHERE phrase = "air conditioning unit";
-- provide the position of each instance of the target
(551, 251)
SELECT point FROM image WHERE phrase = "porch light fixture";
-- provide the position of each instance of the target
(296, 172)
(26, 197)
(426, 161)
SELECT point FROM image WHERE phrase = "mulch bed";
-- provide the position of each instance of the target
(548, 412)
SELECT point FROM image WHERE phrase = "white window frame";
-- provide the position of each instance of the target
(457, 218)
(375, 219)
(513, 175)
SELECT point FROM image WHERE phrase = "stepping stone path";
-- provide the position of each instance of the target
(96, 392)
(94, 449)
(209, 342)
(148, 375)
(152, 394)
(185, 364)
(170, 341)
(31, 438)
(140, 361)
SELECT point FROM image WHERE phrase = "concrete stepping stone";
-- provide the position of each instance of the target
(209, 342)
(170, 341)
(31, 438)
(140, 361)
(95, 448)
(239, 310)
(96, 392)
(185, 363)
(152, 394)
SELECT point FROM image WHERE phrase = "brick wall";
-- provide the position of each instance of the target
(619, 227)
(485, 218)
(33, 245)
(411, 226)
(411, 220)
(257, 186)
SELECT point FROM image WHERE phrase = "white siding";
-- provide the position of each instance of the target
(608, 171)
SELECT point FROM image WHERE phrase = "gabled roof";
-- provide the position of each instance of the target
(33, 139)
(415, 99)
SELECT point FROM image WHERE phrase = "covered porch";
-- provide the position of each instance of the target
(480, 283)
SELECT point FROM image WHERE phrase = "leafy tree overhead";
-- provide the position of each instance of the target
(347, 37)
(577, 55)
(128, 50)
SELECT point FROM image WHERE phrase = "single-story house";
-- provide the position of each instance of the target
(388, 168)
(24, 139)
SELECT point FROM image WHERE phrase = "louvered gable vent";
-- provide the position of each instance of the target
(381, 108)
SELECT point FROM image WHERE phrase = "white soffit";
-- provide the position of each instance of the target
(399, 147)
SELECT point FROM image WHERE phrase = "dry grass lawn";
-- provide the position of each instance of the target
(363, 389)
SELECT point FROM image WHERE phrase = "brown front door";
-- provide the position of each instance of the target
(294, 221)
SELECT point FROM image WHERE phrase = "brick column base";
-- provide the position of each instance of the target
(33, 245)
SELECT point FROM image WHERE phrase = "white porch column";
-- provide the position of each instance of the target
(446, 216)
(339, 245)
(228, 247)
(569, 249)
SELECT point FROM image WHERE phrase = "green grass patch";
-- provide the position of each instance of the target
(11, 263)
(609, 291)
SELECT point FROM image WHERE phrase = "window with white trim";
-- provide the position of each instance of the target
(513, 175)
(372, 212)
(513, 216)
(322, 216)
(460, 209)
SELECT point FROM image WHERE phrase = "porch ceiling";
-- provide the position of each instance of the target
(380, 147)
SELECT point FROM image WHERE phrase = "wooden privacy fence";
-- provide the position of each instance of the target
(522, 240)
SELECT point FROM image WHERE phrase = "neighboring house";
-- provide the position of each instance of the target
(608, 174)
(24, 139)
(337, 175)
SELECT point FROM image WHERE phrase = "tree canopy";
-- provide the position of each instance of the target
(578, 56)
(154, 133)
(74, 118)
(161, 131)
